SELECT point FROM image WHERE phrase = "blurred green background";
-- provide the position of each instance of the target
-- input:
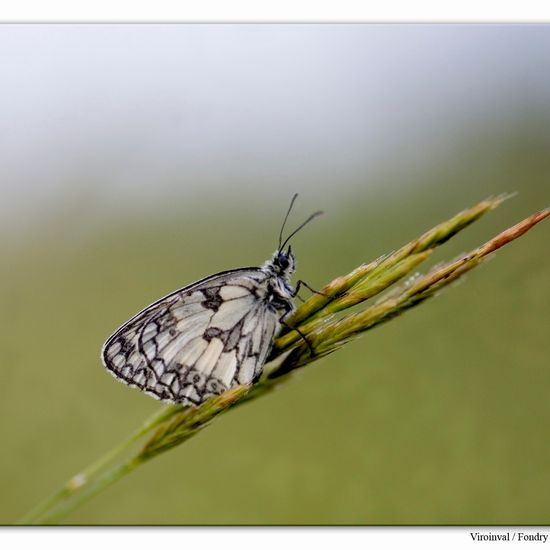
(118, 193)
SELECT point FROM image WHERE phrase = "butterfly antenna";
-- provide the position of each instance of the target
(312, 217)
(286, 218)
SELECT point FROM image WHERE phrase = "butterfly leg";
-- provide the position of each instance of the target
(303, 336)
(297, 289)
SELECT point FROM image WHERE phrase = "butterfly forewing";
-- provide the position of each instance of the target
(199, 341)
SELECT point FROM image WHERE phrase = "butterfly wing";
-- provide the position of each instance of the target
(198, 341)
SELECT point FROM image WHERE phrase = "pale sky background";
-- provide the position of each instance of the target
(131, 116)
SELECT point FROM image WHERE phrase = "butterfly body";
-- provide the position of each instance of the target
(207, 337)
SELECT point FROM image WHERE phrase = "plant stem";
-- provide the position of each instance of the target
(89, 476)
(100, 483)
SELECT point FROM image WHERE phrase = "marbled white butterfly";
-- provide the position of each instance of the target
(207, 337)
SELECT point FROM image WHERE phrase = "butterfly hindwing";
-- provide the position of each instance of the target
(198, 341)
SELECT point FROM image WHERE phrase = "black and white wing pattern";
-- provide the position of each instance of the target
(198, 341)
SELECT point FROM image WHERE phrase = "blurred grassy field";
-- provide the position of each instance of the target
(440, 416)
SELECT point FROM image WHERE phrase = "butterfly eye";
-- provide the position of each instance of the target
(282, 260)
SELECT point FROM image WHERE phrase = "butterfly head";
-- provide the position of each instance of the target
(283, 263)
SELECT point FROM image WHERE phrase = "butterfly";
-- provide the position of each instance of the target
(210, 336)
